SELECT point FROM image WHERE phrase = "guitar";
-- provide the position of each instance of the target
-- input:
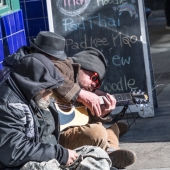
(77, 114)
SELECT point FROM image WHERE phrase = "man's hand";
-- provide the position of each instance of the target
(91, 101)
(109, 102)
(72, 156)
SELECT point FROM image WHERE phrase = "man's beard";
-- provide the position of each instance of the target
(41, 102)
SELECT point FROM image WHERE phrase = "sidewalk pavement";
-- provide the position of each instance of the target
(149, 138)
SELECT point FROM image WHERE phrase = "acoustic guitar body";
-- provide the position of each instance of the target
(74, 117)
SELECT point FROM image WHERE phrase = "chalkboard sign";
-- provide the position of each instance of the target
(114, 28)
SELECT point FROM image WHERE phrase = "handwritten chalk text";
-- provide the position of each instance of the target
(115, 41)
(115, 2)
(124, 39)
(119, 61)
(122, 85)
(74, 2)
(70, 25)
(94, 42)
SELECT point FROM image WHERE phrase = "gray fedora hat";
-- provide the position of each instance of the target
(50, 43)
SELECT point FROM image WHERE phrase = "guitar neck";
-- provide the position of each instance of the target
(119, 98)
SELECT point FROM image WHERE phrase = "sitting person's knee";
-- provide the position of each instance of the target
(98, 135)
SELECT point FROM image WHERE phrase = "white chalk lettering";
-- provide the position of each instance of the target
(96, 42)
(119, 39)
(122, 85)
(72, 7)
(73, 2)
(118, 61)
(105, 2)
(70, 25)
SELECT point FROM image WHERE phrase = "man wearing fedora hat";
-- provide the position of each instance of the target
(83, 74)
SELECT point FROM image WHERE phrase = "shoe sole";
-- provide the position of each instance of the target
(122, 158)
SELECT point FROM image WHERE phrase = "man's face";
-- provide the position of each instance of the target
(88, 80)
(42, 99)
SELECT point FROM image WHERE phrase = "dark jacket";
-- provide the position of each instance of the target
(26, 132)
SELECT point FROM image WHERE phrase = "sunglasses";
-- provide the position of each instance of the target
(95, 78)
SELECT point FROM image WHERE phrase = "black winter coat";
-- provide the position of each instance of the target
(26, 132)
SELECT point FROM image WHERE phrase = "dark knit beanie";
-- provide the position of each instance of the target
(93, 60)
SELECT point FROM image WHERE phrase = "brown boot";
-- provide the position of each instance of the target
(123, 128)
(122, 158)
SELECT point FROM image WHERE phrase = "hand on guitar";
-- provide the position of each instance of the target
(109, 102)
(91, 101)
(72, 156)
